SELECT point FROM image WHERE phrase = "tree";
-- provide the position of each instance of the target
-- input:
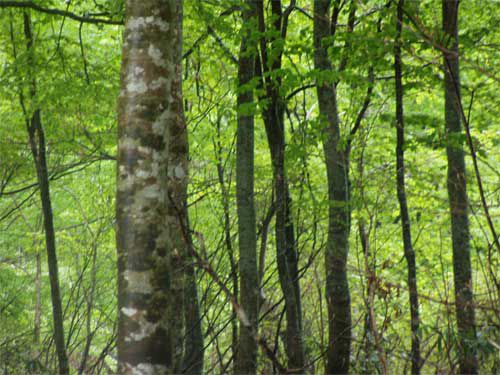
(270, 132)
(148, 104)
(337, 168)
(186, 331)
(246, 356)
(36, 135)
(409, 253)
(457, 194)
(269, 64)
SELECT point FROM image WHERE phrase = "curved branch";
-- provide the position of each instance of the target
(58, 12)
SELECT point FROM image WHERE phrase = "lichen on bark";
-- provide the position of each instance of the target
(145, 110)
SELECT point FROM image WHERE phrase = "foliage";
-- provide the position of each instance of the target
(77, 71)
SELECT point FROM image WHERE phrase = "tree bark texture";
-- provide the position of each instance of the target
(246, 360)
(457, 195)
(409, 252)
(337, 167)
(148, 112)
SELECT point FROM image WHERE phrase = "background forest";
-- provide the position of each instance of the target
(352, 261)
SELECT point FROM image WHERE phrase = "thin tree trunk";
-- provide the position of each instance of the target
(286, 252)
(38, 303)
(249, 283)
(148, 108)
(337, 167)
(177, 216)
(38, 150)
(193, 347)
(457, 195)
(403, 206)
(188, 353)
(286, 249)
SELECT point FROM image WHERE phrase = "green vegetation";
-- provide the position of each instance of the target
(327, 144)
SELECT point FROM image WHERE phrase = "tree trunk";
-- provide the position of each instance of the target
(286, 248)
(249, 285)
(38, 149)
(188, 353)
(403, 206)
(38, 303)
(457, 195)
(337, 167)
(286, 252)
(192, 362)
(148, 111)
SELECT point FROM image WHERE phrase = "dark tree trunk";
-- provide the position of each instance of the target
(148, 111)
(246, 360)
(286, 249)
(286, 252)
(457, 195)
(188, 357)
(337, 167)
(194, 346)
(401, 191)
(38, 150)
(38, 303)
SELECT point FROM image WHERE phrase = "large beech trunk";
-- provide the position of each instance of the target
(149, 106)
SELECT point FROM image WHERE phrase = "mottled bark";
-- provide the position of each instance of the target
(337, 167)
(286, 247)
(246, 360)
(409, 253)
(36, 135)
(148, 111)
(457, 195)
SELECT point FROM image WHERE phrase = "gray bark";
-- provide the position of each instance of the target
(148, 110)
(457, 195)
